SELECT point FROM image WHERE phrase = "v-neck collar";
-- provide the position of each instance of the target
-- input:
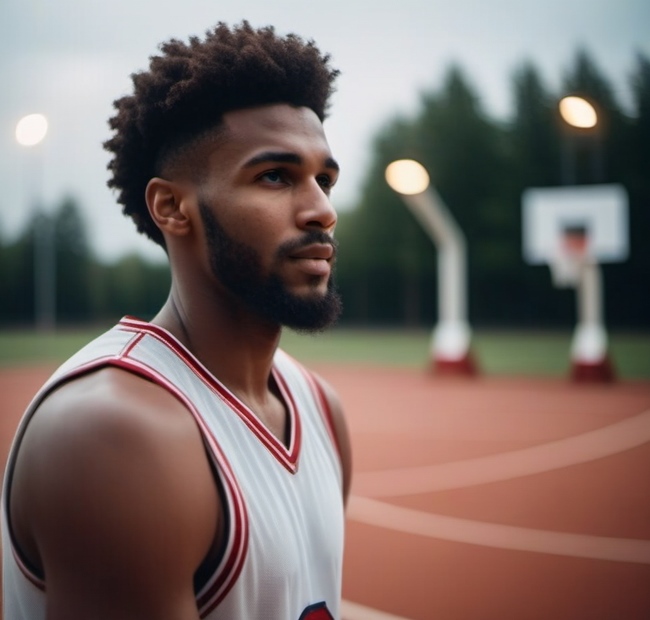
(286, 454)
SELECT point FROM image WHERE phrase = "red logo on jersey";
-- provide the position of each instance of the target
(316, 612)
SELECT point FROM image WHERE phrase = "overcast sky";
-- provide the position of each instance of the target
(69, 59)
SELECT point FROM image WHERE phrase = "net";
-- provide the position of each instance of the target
(567, 263)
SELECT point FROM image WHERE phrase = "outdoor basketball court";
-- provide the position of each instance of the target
(486, 498)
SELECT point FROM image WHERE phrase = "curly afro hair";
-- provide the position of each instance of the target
(188, 89)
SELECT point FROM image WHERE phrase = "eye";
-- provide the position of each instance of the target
(326, 181)
(272, 176)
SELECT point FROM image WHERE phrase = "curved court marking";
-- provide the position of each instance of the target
(353, 611)
(629, 433)
(373, 512)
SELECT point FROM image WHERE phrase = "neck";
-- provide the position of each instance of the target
(233, 344)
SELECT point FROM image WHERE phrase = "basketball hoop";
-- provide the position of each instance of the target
(570, 257)
(573, 230)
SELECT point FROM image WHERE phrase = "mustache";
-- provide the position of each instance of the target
(309, 238)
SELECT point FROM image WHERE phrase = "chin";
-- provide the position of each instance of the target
(317, 286)
(311, 293)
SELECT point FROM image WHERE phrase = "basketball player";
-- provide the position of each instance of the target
(187, 468)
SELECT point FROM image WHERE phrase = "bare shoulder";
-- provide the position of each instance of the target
(341, 430)
(108, 399)
(108, 413)
(112, 482)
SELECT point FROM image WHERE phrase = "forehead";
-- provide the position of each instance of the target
(278, 127)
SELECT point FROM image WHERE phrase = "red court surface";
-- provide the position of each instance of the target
(488, 498)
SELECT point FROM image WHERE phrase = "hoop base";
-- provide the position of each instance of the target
(464, 366)
(600, 371)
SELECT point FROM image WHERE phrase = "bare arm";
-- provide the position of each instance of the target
(113, 497)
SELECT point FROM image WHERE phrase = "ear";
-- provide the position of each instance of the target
(166, 201)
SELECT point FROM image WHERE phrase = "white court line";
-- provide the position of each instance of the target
(373, 512)
(353, 611)
(629, 433)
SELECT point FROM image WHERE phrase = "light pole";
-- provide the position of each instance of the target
(450, 343)
(589, 358)
(30, 132)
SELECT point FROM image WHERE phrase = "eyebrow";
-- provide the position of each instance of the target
(285, 158)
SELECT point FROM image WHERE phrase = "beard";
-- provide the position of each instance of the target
(239, 269)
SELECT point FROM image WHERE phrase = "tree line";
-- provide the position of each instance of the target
(480, 167)
(387, 266)
(87, 290)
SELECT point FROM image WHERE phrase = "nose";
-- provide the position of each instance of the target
(315, 209)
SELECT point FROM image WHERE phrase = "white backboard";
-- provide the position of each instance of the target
(600, 210)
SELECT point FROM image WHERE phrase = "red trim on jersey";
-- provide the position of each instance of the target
(288, 457)
(295, 428)
(232, 563)
(130, 345)
(324, 408)
(25, 570)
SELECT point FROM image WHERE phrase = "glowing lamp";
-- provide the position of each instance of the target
(31, 129)
(578, 112)
(407, 177)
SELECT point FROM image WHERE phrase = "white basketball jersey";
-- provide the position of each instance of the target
(284, 547)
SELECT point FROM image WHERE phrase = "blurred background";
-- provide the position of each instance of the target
(468, 88)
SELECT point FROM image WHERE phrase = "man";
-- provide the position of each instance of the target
(187, 468)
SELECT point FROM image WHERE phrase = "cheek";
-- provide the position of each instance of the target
(261, 227)
(259, 219)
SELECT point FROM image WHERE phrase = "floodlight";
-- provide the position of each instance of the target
(407, 177)
(578, 112)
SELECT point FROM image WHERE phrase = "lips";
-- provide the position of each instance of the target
(314, 259)
(316, 251)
